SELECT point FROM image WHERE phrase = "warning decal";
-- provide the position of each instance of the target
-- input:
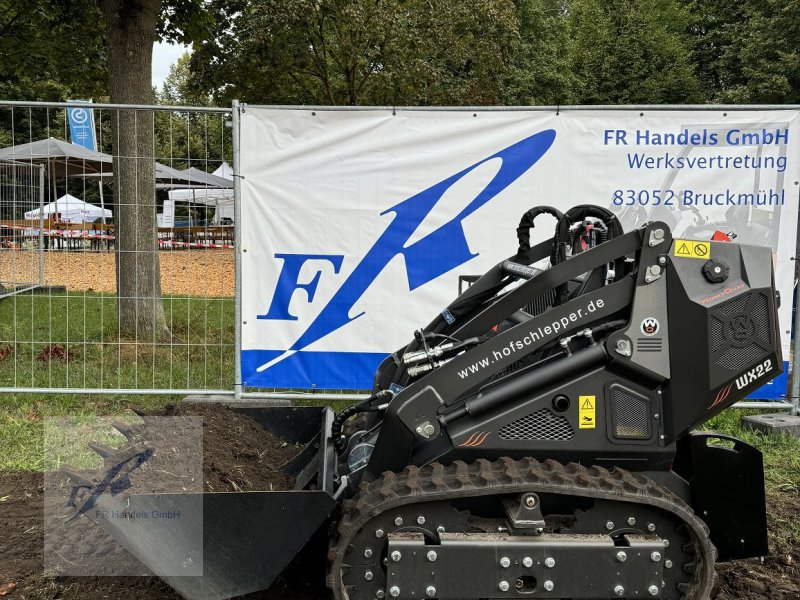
(586, 412)
(691, 249)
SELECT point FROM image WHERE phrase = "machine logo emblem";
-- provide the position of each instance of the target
(741, 328)
(650, 326)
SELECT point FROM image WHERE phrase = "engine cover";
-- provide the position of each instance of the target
(724, 339)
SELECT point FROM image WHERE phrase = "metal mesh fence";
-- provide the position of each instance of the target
(21, 234)
(135, 268)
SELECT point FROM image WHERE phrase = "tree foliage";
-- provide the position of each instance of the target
(632, 52)
(426, 52)
(46, 53)
(386, 52)
(51, 50)
(541, 72)
(190, 139)
(455, 52)
(767, 52)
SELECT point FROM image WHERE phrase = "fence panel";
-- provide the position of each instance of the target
(134, 276)
(21, 239)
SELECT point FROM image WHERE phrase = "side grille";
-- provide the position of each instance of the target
(540, 425)
(740, 331)
(630, 414)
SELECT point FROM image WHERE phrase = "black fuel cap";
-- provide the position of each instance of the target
(715, 271)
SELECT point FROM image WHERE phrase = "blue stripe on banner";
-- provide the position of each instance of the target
(323, 370)
(356, 370)
(775, 389)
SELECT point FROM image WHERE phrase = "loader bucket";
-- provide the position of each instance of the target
(232, 543)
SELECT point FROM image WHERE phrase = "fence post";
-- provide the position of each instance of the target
(41, 226)
(237, 253)
(794, 388)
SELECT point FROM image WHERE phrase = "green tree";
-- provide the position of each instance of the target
(297, 51)
(453, 52)
(768, 54)
(190, 139)
(388, 52)
(51, 50)
(632, 52)
(46, 53)
(541, 71)
(715, 31)
(177, 88)
(747, 52)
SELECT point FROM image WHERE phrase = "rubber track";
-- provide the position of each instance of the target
(506, 476)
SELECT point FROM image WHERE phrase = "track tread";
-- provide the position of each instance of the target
(504, 476)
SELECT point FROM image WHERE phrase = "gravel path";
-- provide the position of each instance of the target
(183, 272)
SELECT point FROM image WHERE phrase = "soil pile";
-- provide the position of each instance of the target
(237, 455)
(21, 553)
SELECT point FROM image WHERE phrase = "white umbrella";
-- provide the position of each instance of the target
(71, 210)
(218, 191)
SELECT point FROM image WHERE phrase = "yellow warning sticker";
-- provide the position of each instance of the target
(691, 249)
(586, 412)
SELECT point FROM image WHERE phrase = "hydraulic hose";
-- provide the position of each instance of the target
(339, 420)
(339, 441)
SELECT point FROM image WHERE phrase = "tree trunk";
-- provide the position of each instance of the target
(131, 33)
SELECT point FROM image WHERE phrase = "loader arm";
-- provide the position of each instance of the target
(417, 406)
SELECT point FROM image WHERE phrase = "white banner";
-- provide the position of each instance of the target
(358, 224)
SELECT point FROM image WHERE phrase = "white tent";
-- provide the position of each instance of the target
(72, 210)
(221, 198)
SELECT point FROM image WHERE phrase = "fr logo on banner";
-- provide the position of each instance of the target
(448, 244)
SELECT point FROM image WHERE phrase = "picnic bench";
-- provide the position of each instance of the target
(74, 236)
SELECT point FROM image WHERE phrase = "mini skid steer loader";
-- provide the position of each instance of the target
(535, 440)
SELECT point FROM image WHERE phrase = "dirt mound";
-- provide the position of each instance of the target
(21, 559)
(238, 454)
(21, 553)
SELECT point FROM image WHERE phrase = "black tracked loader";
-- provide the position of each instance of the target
(535, 440)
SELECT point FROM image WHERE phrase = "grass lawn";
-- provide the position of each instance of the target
(73, 341)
